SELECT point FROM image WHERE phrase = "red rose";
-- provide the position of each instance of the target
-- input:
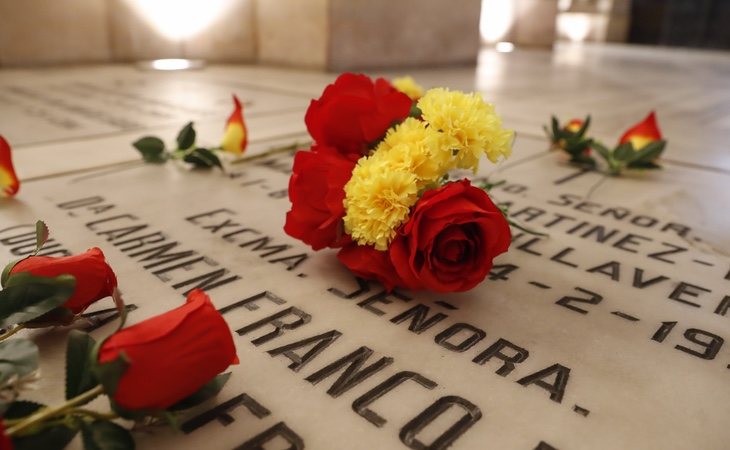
(9, 183)
(5, 442)
(94, 278)
(449, 241)
(171, 356)
(354, 112)
(316, 191)
(366, 262)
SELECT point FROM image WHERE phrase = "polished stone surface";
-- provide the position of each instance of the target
(630, 291)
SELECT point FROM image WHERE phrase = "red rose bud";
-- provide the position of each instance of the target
(94, 278)
(235, 137)
(9, 183)
(170, 356)
(643, 133)
(354, 112)
(574, 125)
(316, 191)
(449, 241)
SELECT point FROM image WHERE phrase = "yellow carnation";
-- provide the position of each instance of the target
(471, 126)
(377, 201)
(408, 86)
(416, 148)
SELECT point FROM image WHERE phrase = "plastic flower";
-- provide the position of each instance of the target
(408, 86)
(9, 183)
(643, 133)
(470, 124)
(170, 356)
(377, 200)
(235, 138)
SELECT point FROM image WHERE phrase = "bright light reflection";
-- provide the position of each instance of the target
(174, 64)
(575, 26)
(504, 47)
(496, 19)
(180, 19)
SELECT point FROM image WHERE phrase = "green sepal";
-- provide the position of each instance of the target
(186, 137)
(56, 317)
(601, 149)
(54, 438)
(583, 160)
(649, 153)
(6, 272)
(41, 235)
(624, 152)
(21, 408)
(26, 297)
(79, 375)
(584, 127)
(555, 125)
(415, 111)
(203, 158)
(152, 149)
(109, 373)
(105, 435)
(208, 391)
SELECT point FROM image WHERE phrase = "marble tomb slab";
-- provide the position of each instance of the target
(609, 333)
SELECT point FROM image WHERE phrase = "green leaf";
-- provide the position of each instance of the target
(54, 438)
(624, 152)
(79, 377)
(208, 391)
(203, 158)
(27, 297)
(644, 165)
(103, 435)
(17, 357)
(56, 317)
(152, 149)
(186, 137)
(22, 408)
(41, 235)
(415, 111)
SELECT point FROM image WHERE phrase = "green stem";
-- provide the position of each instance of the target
(11, 332)
(269, 152)
(54, 411)
(525, 229)
(96, 415)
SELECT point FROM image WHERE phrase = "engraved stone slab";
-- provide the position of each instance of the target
(610, 333)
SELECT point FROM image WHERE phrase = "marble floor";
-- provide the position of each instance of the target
(597, 299)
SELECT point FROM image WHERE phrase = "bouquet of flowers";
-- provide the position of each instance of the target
(375, 183)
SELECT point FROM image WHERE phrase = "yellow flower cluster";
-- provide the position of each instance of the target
(414, 156)
(408, 86)
(471, 125)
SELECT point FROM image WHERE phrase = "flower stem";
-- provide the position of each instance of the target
(53, 411)
(11, 332)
